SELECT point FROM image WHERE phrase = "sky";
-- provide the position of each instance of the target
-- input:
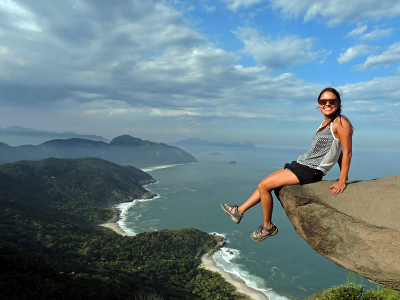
(221, 70)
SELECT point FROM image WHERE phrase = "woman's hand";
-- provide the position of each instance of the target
(338, 187)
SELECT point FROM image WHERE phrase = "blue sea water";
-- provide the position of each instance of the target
(283, 266)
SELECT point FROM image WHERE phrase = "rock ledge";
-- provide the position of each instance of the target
(358, 230)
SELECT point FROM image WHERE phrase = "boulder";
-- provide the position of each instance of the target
(358, 230)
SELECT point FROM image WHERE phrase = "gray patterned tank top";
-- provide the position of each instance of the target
(325, 150)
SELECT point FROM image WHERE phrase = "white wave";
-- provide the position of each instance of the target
(159, 167)
(224, 259)
(220, 234)
(125, 212)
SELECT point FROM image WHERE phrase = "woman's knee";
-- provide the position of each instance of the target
(264, 186)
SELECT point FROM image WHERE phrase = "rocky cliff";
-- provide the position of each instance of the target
(358, 230)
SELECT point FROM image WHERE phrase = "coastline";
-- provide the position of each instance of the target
(115, 226)
(113, 223)
(209, 264)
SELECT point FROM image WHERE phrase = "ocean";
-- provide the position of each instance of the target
(189, 196)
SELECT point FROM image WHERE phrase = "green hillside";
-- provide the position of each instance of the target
(52, 246)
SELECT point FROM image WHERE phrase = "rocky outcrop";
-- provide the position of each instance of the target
(220, 242)
(147, 181)
(149, 195)
(358, 229)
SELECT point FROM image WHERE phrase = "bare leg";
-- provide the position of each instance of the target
(263, 193)
(253, 200)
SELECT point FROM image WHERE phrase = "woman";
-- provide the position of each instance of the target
(330, 144)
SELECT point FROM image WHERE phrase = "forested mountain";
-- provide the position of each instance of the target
(124, 150)
(52, 246)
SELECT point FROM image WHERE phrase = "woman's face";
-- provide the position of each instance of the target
(330, 107)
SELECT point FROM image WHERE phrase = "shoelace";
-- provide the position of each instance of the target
(261, 229)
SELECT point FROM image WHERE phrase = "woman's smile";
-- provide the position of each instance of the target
(328, 103)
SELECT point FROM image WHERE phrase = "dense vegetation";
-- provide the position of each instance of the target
(52, 246)
(354, 290)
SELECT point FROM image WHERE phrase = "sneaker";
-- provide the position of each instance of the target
(263, 232)
(233, 212)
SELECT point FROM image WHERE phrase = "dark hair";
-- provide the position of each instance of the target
(338, 113)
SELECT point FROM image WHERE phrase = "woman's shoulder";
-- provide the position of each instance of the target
(341, 120)
(342, 123)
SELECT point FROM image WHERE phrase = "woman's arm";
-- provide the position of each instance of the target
(343, 130)
(340, 162)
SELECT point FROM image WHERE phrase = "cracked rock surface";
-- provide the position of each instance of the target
(358, 230)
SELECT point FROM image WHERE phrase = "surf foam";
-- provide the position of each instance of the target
(225, 260)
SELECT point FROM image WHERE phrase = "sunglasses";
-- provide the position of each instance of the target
(324, 101)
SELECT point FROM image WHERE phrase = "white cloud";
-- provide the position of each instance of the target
(91, 45)
(372, 100)
(118, 111)
(388, 57)
(362, 102)
(137, 62)
(4, 50)
(21, 17)
(172, 113)
(119, 65)
(235, 4)
(352, 53)
(373, 91)
(358, 31)
(209, 8)
(282, 53)
(79, 94)
(153, 62)
(377, 33)
(335, 12)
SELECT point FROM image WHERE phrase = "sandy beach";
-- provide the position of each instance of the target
(209, 264)
(115, 226)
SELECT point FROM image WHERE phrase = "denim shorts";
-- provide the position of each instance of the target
(304, 173)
